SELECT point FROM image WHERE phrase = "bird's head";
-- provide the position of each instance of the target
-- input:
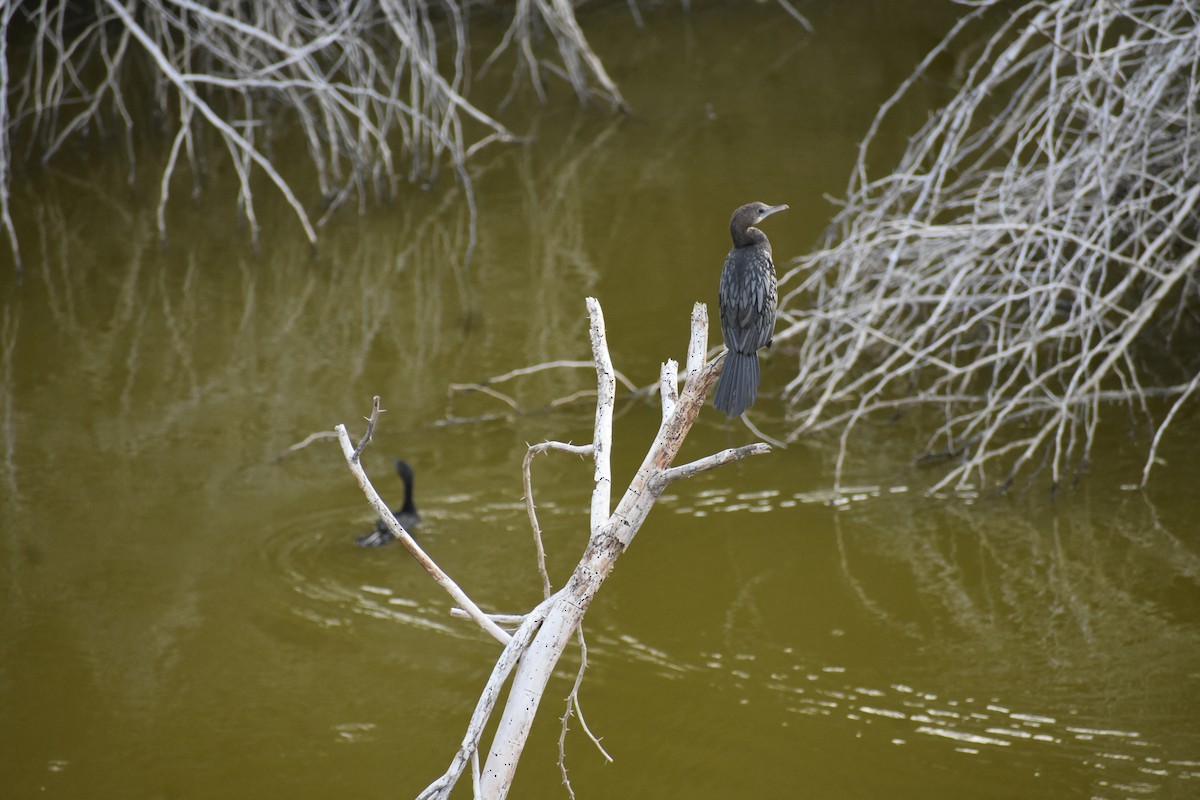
(749, 215)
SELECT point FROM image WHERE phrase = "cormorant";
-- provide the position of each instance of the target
(747, 299)
(406, 514)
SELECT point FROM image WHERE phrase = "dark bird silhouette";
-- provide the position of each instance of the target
(406, 514)
(747, 298)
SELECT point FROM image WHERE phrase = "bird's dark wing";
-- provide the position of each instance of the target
(747, 300)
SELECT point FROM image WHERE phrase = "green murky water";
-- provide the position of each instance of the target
(183, 613)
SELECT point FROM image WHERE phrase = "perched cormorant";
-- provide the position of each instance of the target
(747, 299)
(406, 514)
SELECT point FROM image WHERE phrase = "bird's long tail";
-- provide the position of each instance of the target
(738, 385)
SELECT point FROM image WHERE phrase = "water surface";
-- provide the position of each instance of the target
(182, 610)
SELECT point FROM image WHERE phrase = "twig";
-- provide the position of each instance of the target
(757, 432)
(693, 468)
(366, 438)
(312, 437)
(533, 369)
(6, 15)
(796, 15)
(527, 476)
(490, 392)
(1152, 457)
(500, 619)
(573, 707)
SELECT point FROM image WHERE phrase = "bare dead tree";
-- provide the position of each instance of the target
(376, 90)
(531, 650)
(1032, 255)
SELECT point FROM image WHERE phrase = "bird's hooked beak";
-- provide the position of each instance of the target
(769, 210)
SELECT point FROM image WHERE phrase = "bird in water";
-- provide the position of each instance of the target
(747, 299)
(406, 514)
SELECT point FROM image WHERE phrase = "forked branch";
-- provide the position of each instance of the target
(531, 653)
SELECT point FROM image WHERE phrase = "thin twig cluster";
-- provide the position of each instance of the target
(377, 90)
(1032, 259)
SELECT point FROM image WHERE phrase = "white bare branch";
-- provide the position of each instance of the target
(469, 750)
(527, 474)
(606, 397)
(607, 542)
(466, 603)
(1032, 257)
(543, 634)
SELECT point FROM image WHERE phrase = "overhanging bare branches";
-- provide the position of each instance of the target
(376, 91)
(1035, 249)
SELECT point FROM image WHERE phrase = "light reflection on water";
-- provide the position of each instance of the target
(299, 552)
(1026, 636)
(728, 500)
(331, 580)
(969, 725)
(900, 715)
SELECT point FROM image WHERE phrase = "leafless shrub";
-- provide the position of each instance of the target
(1032, 259)
(377, 90)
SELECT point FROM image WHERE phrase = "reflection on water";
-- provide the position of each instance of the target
(330, 581)
(1052, 640)
(906, 717)
(1085, 589)
(309, 553)
(723, 500)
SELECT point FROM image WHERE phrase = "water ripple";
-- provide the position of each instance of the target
(332, 582)
(1120, 760)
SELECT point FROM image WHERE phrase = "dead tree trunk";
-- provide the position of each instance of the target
(542, 635)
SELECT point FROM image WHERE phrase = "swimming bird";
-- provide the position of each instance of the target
(747, 298)
(406, 514)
